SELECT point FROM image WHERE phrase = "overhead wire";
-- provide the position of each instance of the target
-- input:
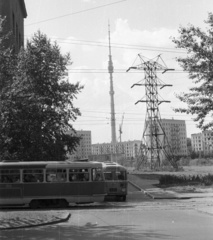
(74, 13)
(130, 113)
(115, 71)
(118, 45)
(126, 46)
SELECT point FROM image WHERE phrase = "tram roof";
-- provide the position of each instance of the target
(112, 164)
(48, 164)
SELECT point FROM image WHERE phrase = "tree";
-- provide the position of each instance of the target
(7, 70)
(38, 109)
(199, 65)
(7, 59)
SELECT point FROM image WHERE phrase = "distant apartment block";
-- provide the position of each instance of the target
(84, 149)
(175, 131)
(171, 135)
(14, 11)
(202, 143)
(128, 149)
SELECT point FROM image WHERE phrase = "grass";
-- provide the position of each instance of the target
(196, 173)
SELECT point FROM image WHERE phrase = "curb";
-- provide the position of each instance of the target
(170, 194)
(174, 195)
(136, 186)
(163, 196)
(40, 224)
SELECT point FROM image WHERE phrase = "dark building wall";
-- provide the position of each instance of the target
(15, 12)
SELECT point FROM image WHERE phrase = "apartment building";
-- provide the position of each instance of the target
(128, 149)
(171, 134)
(202, 143)
(175, 131)
(84, 150)
(14, 12)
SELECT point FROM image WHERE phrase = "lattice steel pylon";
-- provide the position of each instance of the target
(157, 147)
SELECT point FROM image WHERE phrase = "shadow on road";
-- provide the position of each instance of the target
(88, 231)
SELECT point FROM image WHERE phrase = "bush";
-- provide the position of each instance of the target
(184, 162)
(206, 180)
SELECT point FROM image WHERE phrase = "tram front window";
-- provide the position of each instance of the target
(113, 176)
(121, 175)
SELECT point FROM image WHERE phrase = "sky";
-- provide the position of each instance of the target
(144, 27)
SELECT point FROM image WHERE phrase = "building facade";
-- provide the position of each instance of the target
(128, 149)
(84, 150)
(175, 131)
(170, 132)
(164, 138)
(202, 143)
(14, 12)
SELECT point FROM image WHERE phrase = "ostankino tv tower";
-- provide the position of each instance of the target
(111, 93)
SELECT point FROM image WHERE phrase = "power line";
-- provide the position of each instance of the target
(123, 45)
(128, 121)
(188, 122)
(115, 71)
(127, 46)
(118, 45)
(74, 13)
(115, 44)
(135, 114)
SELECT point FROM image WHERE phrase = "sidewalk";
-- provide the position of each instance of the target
(157, 193)
(148, 186)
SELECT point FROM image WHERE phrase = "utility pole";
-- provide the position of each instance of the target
(111, 92)
(157, 147)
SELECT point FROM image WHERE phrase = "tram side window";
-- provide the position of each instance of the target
(78, 175)
(9, 176)
(56, 175)
(97, 174)
(33, 175)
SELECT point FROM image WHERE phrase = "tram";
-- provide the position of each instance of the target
(39, 184)
(115, 176)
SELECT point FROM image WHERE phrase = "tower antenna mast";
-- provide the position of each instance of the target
(111, 92)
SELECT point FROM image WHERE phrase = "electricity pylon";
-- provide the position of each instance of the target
(157, 147)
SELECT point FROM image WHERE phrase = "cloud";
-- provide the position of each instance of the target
(66, 44)
(154, 38)
(149, 42)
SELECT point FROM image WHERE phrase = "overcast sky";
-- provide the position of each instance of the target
(137, 27)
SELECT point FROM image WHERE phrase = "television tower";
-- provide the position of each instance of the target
(111, 93)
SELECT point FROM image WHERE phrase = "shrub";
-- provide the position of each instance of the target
(206, 180)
